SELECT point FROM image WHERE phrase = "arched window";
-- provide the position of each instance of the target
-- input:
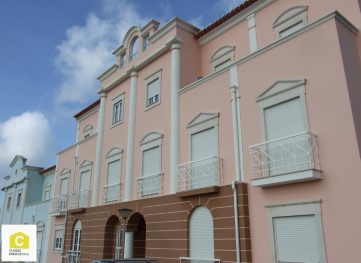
(201, 237)
(290, 21)
(134, 46)
(76, 236)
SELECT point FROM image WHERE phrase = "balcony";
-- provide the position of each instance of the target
(72, 256)
(198, 260)
(111, 193)
(200, 174)
(150, 185)
(79, 199)
(287, 160)
(59, 204)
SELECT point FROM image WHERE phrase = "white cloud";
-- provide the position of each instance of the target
(227, 5)
(87, 50)
(29, 135)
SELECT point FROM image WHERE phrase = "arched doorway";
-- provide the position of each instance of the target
(112, 238)
(135, 237)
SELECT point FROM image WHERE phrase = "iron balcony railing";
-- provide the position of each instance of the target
(59, 204)
(201, 173)
(150, 185)
(198, 260)
(72, 256)
(79, 199)
(286, 155)
(111, 193)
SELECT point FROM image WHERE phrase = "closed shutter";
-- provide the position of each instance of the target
(284, 119)
(296, 239)
(201, 239)
(113, 173)
(64, 186)
(85, 180)
(151, 161)
(204, 144)
(153, 91)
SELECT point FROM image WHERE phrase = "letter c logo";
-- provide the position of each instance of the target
(19, 243)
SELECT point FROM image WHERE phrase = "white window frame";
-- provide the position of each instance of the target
(57, 240)
(77, 236)
(296, 209)
(19, 200)
(279, 92)
(150, 141)
(88, 131)
(203, 121)
(154, 77)
(47, 190)
(133, 54)
(118, 100)
(290, 21)
(222, 58)
(115, 154)
(9, 202)
(64, 175)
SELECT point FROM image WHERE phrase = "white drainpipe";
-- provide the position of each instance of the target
(236, 229)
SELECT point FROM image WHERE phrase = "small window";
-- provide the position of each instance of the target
(88, 131)
(296, 232)
(153, 89)
(146, 42)
(8, 206)
(222, 58)
(134, 48)
(290, 21)
(58, 239)
(47, 195)
(18, 201)
(122, 60)
(118, 109)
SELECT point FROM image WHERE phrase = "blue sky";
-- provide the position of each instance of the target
(51, 53)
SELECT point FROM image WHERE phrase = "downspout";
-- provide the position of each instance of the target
(236, 229)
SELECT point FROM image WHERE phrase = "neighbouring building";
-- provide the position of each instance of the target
(28, 192)
(239, 142)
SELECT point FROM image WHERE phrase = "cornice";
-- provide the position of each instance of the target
(242, 16)
(174, 22)
(108, 72)
(334, 15)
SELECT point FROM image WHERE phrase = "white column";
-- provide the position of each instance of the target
(174, 136)
(128, 186)
(98, 153)
(128, 248)
(5, 197)
(237, 132)
(252, 33)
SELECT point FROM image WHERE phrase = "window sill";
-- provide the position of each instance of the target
(289, 178)
(200, 191)
(151, 106)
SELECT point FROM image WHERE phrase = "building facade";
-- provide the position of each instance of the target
(28, 192)
(239, 142)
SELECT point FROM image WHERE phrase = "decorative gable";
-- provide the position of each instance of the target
(202, 118)
(280, 86)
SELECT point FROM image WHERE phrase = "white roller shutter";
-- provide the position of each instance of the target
(84, 180)
(151, 161)
(153, 88)
(284, 119)
(296, 239)
(64, 186)
(113, 173)
(204, 144)
(201, 239)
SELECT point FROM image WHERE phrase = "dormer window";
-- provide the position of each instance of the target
(290, 21)
(146, 42)
(222, 58)
(122, 60)
(134, 46)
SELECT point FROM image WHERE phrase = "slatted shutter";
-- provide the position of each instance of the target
(204, 144)
(296, 239)
(85, 180)
(64, 186)
(151, 161)
(153, 91)
(201, 238)
(113, 173)
(284, 119)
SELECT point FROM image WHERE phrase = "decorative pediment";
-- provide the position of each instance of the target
(150, 137)
(201, 118)
(279, 87)
(223, 51)
(86, 163)
(289, 14)
(114, 151)
(18, 158)
(65, 171)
